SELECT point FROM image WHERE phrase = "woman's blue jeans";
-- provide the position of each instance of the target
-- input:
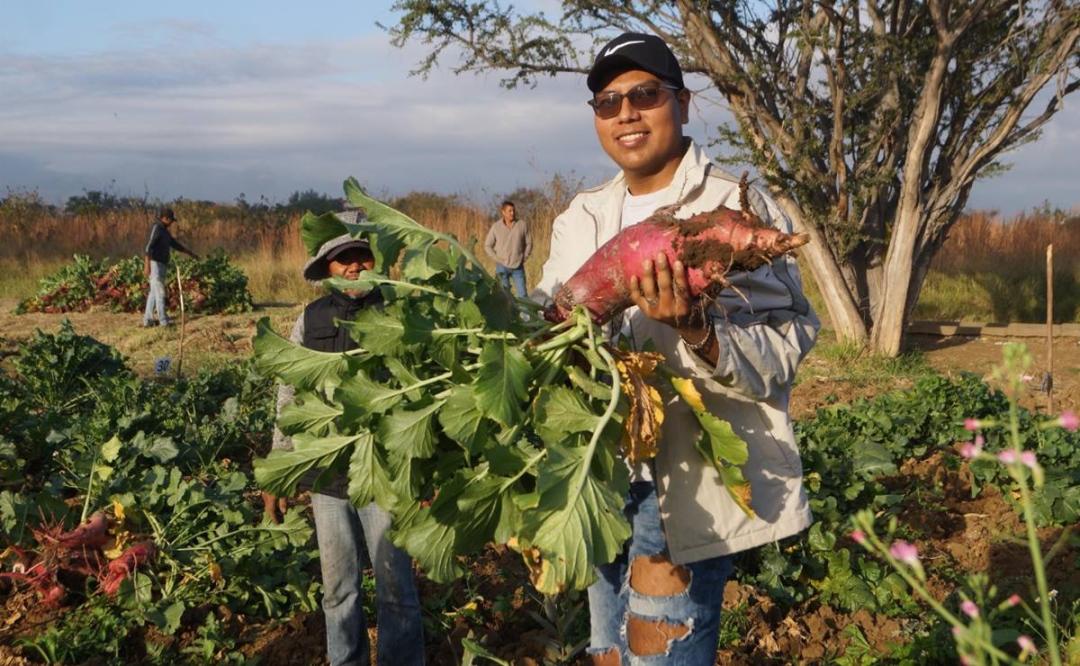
(517, 275)
(341, 530)
(678, 629)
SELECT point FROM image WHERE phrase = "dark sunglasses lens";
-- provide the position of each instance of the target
(607, 106)
(644, 98)
(641, 98)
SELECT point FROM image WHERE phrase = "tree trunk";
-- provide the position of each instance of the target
(891, 317)
(839, 301)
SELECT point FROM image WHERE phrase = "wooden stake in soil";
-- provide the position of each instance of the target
(180, 354)
(1050, 327)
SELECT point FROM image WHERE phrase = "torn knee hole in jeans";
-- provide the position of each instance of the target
(653, 636)
(658, 576)
(608, 657)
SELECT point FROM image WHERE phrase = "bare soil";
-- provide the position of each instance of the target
(208, 339)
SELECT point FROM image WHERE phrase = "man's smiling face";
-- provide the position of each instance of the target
(647, 145)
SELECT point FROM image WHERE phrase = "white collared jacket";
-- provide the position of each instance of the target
(765, 328)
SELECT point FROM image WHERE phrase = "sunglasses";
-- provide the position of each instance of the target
(644, 97)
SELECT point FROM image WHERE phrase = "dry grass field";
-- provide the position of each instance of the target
(989, 269)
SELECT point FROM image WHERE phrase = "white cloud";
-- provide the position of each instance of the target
(287, 117)
(206, 121)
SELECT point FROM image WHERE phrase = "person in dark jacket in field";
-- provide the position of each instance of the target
(342, 529)
(156, 264)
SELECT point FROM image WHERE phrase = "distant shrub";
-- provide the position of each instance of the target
(211, 285)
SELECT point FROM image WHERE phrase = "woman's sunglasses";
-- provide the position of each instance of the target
(644, 97)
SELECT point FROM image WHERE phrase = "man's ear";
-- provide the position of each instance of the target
(683, 96)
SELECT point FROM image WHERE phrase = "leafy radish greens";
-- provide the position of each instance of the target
(468, 417)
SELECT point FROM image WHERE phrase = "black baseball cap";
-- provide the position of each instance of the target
(635, 50)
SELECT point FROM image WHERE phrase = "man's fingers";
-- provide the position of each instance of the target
(681, 290)
(668, 300)
(682, 285)
(648, 284)
(273, 507)
(635, 293)
(663, 274)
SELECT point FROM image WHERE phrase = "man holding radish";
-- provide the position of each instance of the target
(342, 529)
(663, 595)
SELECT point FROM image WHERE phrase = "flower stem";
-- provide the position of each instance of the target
(1033, 542)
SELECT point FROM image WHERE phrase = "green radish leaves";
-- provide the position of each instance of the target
(468, 418)
(296, 366)
(501, 381)
(318, 229)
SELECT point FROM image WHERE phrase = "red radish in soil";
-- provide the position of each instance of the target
(50, 591)
(94, 533)
(710, 245)
(125, 565)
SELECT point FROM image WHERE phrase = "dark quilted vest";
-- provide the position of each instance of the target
(320, 331)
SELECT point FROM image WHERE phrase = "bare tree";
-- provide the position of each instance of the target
(868, 120)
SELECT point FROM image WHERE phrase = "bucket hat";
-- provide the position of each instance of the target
(318, 267)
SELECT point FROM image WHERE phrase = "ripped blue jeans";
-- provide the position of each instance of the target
(680, 628)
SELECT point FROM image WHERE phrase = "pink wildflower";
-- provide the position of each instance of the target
(1008, 456)
(969, 608)
(972, 424)
(905, 552)
(971, 450)
(858, 536)
(1028, 458)
(1027, 646)
(1069, 420)
(1013, 600)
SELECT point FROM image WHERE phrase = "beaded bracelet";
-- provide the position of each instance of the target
(702, 344)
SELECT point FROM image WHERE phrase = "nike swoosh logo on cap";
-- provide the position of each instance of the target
(615, 48)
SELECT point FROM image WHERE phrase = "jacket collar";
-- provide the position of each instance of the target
(606, 205)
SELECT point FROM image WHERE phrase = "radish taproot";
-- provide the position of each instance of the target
(710, 245)
(125, 565)
(94, 533)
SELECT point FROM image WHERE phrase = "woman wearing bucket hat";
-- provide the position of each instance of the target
(340, 528)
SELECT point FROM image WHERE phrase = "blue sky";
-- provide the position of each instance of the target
(213, 99)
